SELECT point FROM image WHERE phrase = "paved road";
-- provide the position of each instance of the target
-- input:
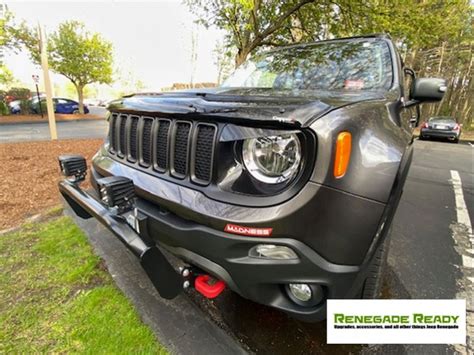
(428, 258)
(98, 110)
(40, 131)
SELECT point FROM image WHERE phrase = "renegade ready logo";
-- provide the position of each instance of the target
(417, 319)
(396, 321)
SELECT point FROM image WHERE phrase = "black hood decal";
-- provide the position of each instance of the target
(235, 106)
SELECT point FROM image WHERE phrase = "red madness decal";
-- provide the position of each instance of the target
(248, 231)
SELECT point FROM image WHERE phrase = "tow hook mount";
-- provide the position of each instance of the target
(205, 284)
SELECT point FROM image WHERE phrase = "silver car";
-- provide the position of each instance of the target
(441, 127)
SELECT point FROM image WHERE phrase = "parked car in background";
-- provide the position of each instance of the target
(441, 127)
(94, 102)
(61, 105)
(15, 106)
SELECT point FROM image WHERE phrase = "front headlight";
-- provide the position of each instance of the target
(273, 159)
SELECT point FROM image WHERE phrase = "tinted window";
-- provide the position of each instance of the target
(442, 119)
(328, 66)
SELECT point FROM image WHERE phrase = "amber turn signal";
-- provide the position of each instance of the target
(343, 154)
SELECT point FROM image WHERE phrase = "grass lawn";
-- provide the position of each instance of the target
(56, 296)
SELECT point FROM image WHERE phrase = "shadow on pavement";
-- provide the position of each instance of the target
(266, 330)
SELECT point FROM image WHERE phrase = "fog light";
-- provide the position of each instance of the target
(271, 251)
(301, 292)
(306, 295)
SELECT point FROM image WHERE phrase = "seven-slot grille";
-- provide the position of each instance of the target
(179, 148)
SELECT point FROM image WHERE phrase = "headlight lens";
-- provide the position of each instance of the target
(273, 159)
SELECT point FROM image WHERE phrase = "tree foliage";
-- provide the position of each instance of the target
(80, 56)
(7, 30)
(435, 37)
(74, 52)
(250, 24)
(6, 42)
(6, 76)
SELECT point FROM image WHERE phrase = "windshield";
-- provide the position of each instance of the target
(352, 66)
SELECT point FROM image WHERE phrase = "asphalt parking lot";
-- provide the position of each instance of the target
(430, 258)
(40, 131)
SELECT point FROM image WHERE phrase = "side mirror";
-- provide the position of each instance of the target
(428, 89)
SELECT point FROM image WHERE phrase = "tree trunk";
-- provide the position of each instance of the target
(241, 56)
(80, 96)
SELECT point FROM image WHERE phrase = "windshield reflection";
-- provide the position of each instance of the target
(330, 67)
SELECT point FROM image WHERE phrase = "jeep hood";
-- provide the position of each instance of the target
(250, 105)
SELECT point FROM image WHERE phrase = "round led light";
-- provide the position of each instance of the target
(273, 159)
(301, 292)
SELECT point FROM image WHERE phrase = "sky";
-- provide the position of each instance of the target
(150, 39)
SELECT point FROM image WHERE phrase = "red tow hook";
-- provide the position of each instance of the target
(209, 290)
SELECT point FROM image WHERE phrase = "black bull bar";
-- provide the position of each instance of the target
(166, 280)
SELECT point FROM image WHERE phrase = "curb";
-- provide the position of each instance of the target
(178, 324)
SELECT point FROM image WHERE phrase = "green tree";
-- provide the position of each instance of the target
(74, 52)
(6, 77)
(434, 37)
(250, 24)
(80, 56)
(8, 39)
(7, 42)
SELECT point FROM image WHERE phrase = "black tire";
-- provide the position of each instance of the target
(421, 138)
(373, 283)
(456, 141)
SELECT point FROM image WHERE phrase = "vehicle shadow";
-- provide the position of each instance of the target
(264, 330)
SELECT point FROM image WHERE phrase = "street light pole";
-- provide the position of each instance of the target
(47, 85)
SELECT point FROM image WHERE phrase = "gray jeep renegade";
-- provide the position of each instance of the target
(281, 184)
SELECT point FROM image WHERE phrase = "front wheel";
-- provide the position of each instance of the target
(373, 283)
(75, 112)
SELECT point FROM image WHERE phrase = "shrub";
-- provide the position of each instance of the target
(44, 107)
(19, 93)
(4, 109)
(25, 108)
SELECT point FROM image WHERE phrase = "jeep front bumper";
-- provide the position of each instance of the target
(197, 241)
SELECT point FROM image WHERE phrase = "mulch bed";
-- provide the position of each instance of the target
(37, 118)
(30, 173)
